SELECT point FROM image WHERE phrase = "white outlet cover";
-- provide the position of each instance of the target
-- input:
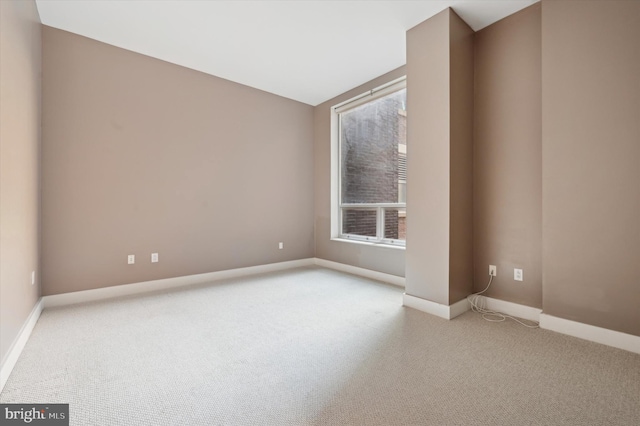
(154, 257)
(517, 274)
(131, 259)
(493, 270)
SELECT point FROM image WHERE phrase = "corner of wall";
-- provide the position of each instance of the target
(20, 146)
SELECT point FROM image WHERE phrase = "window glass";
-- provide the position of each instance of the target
(359, 222)
(370, 186)
(373, 151)
(395, 224)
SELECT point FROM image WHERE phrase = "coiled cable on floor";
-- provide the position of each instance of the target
(478, 304)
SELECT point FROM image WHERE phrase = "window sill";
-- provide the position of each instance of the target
(369, 243)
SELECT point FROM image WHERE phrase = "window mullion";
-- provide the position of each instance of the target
(380, 217)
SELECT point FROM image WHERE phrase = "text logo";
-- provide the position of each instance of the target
(35, 414)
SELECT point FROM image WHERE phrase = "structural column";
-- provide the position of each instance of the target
(439, 254)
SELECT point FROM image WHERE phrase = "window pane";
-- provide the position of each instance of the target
(359, 222)
(373, 150)
(395, 224)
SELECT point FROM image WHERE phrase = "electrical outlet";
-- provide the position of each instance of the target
(517, 274)
(154, 258)
(280, 245)
(493, 271)
(131, 259)
(33, 277)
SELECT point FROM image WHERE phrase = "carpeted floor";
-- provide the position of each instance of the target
(312, 346)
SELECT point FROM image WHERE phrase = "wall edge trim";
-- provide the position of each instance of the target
(19, 343)
(367, 273)
(71, 298)
(433, 308)
(592, 333)
(513, 309)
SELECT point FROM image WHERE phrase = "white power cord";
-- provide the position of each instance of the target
(478, 304)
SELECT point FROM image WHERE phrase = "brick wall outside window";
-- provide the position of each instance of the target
(370, 163)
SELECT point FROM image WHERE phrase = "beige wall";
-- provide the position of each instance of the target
(143, 156)
(591, 162)
(508, 157)
(439, 156)
(427, 263)
(20, 66)
(461, 173)
(381, 259)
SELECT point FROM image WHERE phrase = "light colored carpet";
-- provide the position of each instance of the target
(313, 347)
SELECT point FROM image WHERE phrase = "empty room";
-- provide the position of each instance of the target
(320, 212)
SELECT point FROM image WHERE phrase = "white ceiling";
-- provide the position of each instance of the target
(309, 51)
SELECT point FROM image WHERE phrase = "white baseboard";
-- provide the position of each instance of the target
(167, 283)
(619, 340)
(513, 309)
(459, 308)
(433, 308)
(19, 343)
(367, 273)
(581, 330)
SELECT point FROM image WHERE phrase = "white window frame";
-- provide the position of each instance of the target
(337, 206)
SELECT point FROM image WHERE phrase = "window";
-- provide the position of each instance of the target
(371, 175)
